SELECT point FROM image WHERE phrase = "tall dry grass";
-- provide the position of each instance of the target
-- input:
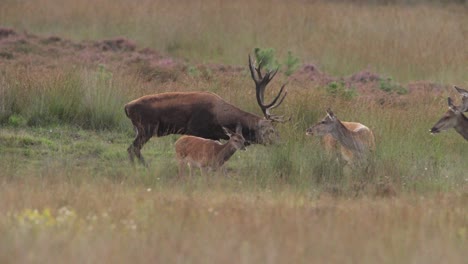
(408, 42)
(98, 221)
(83, 97)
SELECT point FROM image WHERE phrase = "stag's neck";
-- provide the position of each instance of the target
(348, 139)
(225, 153)
(462, 127)
(250, 120)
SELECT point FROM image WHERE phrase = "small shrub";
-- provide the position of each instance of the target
(387, 85)
(266, 58)
(16, 120)
(339, 89)
(292, 63)
(193, 71)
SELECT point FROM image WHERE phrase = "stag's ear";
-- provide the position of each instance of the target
(330, 114)
(461, 91)
(451, 106)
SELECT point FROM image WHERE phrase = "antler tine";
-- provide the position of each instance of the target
(279, 119)
(252, 71)
(272, 73)
(261, 81)
(259, 84)
(264, 80)
(273, 104)
(260, 65)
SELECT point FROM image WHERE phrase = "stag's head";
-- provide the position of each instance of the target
(448, 120)
(236, 139)
(325, 126)
(265, 131)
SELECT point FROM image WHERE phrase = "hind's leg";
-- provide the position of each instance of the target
(189, 165)
(182, 166)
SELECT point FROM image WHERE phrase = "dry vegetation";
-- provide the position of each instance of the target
(68, 193)
(408, 42)
(100, 221)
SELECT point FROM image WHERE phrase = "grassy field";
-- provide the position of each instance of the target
(407, 42)
(69, 194)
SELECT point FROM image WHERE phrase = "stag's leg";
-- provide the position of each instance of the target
(135, 148)
(131, 152)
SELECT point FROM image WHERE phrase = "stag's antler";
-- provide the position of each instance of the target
(260, 84)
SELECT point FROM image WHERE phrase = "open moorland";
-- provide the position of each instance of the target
(68, 192)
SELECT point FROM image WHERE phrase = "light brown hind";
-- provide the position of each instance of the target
(207, 154)
(356, 141)
(453, 118)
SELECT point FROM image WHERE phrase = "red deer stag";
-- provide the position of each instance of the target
(464, 106)
(203, 114)
(356, 141)
(207, 154)
(452, 118)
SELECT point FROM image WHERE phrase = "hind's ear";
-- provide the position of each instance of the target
(451, 106)
(239, 129)
(227, 132)
(331, 114)
(461, 91)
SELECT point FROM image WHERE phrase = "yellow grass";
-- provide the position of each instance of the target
(107, 222)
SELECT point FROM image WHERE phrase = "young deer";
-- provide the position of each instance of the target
(356, 141)
(207, 154)
(452, 118)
